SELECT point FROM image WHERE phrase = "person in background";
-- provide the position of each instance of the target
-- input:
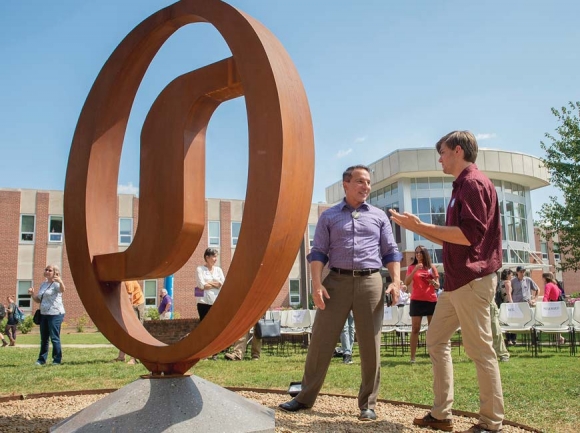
(355, 239)
(425, 278)
(138, 302)
(472, 254)
(347, 339)
(524, 289)
(2, 315)
(164, 308)
(240, 348)
(11, 323)
(503, 294)
(52, 312)
(210, 278)
(403, 296)
(551, 294)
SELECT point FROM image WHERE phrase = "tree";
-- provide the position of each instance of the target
(561, 221)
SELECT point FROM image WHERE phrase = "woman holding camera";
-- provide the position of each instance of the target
(49, 297)
(425, 278)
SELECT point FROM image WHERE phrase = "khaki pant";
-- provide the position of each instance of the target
(467, 307)
(365, 297)
(241, 345)
(498, 343)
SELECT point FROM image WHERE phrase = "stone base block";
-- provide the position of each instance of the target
(170, 405)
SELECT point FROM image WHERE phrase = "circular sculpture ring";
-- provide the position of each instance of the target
(172, 198)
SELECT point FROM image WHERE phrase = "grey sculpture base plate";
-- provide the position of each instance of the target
(177, 404)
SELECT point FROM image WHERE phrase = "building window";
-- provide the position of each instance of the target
(150, 293)
(125, 231)
(544, 249)
(429, 210)
(27, 223)
(294, 292)
(396, 228)
(235, 232)
(311, 230)
(23, 299)
(515, 216)
(213, 228)
(55, 228)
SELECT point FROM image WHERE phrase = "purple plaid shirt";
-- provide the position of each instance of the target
(349, 238)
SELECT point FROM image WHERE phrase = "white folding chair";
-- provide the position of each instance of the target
(390, 321)
(294, 327)
(518, 318)
(552, 318)
(575, 323)
(404, 327)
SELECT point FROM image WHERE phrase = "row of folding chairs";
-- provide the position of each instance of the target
(295, 329)
(552, 318)
(397, 325)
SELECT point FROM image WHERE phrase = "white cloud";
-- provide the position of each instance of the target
(127, 189)
(360, 139)
(486, 136)
(343, 153)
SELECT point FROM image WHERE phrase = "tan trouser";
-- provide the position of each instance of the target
(364, 296)
(498, 343)
(467, 307)
(240, 346)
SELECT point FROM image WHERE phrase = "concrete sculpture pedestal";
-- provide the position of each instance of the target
(179, 404)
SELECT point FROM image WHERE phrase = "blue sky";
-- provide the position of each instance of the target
(380, 75)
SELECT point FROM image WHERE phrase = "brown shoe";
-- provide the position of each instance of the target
(4, 344)
(480, 428)
(434, 423)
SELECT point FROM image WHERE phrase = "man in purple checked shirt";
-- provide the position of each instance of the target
(164, 308)
(355, 239)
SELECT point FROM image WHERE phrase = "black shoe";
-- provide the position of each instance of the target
(367, 415)
(347, 358)
(293, 406)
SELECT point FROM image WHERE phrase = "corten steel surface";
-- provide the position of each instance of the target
(172, 181)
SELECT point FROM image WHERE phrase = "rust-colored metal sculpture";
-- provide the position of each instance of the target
(172, 183)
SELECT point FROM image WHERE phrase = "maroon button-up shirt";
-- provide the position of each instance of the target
(474, 209)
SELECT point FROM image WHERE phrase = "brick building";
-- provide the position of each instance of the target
(32, 236)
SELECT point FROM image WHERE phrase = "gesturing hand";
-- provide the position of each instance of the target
(318, 297)
(393, 289)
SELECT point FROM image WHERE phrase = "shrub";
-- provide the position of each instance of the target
(26, 325)
(151, 313)
(176, 315)
(82, 322)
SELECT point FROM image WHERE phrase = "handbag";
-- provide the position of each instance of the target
(37, 313)
(36, 318)
(266, 328)
(198, 292)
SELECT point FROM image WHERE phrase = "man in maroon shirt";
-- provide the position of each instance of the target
(472, 253)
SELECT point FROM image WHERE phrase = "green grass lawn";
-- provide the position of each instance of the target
(540, 392)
